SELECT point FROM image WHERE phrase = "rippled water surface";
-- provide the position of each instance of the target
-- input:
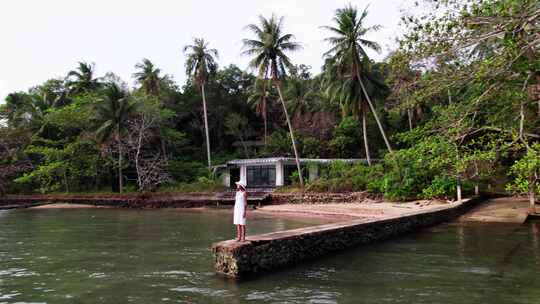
(163, 256)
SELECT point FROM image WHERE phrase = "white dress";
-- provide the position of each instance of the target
(239, 209)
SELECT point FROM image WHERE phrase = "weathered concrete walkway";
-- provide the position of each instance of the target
(363, 209)
(499, 210)
(267, 252)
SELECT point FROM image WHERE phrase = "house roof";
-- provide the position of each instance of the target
(270, 160)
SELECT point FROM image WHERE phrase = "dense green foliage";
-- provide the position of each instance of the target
(455, 106)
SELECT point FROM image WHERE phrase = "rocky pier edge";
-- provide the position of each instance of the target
(264, 253)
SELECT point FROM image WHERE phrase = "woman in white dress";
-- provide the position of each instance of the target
(240, 207)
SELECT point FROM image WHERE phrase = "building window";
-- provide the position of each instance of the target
(261, 176)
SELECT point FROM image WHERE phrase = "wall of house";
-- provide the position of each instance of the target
(226, 179)
(313, 170)
(243, 173)
(280, 180)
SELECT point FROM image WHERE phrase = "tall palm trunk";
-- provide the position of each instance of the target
(372, 108)
(206, 126)
(364, 131)
(297, 158)
(265, 120)
(120, 177)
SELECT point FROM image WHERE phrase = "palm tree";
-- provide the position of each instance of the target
(148, 77)
(259, 99)
(112, 113)
(15, 108)
(82, 78)
(346, 91)
(268, 50)
(29, 110)
(200, 64)
(350, 58)
(300, 94)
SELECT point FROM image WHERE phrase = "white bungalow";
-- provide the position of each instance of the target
(272, 172)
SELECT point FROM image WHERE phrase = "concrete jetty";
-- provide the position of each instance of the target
(500, 210)
(267, 252)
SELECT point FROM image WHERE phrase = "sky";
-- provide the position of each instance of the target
(42, 39)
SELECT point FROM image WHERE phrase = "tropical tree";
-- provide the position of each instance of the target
(268, 51)
(14, 109)
(200, 64)
(299, 92)
(258, 98)
(112, 113)
(148, 77)
(237, 125)
(29, 109)
(82, 79)
(350, 60)
(346, 91)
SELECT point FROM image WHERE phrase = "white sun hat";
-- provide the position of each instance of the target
(241, 183)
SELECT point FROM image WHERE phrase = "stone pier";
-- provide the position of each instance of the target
(268, 252)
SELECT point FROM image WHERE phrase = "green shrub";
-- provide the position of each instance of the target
(203, 184)
(278, 143)
(187, 171)
(346, 138)
(441, 187)
(311, 147)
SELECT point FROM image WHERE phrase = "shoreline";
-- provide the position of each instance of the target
(331, 212)
(257, 213)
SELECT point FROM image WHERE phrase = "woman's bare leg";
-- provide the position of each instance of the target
(238, 230)
(243, 232)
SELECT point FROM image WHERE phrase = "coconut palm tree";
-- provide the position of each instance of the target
(258, 98)
(200, 64)
(345, 90)
(300, 94)
(15, 108)
(82, 78)
(148, 77)
(349, 57)
(268, 50)
(112, 113)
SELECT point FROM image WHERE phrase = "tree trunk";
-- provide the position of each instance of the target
(476, 185)
(265, 128)
(458, 190)
(137, 155)
(66, 181)
(120, 177)
(409, 115)
(532, 207)
(297, 158)
(206, 127)
(372, 108)
(162, 142)
(244, 145)
(364, 131)
(265, 120)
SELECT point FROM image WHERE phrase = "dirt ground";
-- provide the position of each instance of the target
(68, 206)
